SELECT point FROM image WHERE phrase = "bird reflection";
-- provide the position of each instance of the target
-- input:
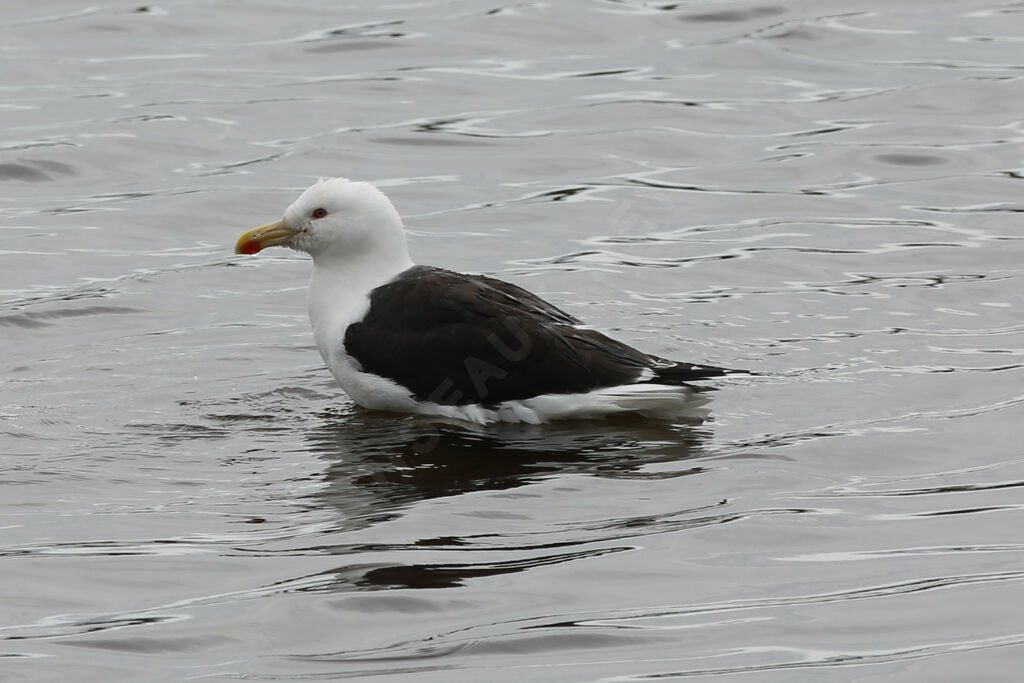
(380, 464)
(405, 459)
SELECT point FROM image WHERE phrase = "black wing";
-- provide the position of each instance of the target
(456, 339)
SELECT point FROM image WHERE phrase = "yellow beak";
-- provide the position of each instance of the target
(269, 235)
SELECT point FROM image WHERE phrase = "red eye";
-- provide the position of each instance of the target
(318, 213)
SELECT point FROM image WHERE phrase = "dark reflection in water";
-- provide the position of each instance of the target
(911, 159)
(402, 460)
(34, 170)
(382, 464)
(443, 575)
(730, 15)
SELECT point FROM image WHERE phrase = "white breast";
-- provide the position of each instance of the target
(366, 389)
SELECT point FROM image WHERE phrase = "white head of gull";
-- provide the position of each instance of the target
(419, 339)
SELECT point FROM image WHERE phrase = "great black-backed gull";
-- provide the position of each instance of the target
(408, 338)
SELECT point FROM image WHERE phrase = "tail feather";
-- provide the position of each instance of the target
(674, 372)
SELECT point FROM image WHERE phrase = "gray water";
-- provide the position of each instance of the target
(826, 192)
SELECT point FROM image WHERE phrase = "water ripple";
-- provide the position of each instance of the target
(483, 640)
